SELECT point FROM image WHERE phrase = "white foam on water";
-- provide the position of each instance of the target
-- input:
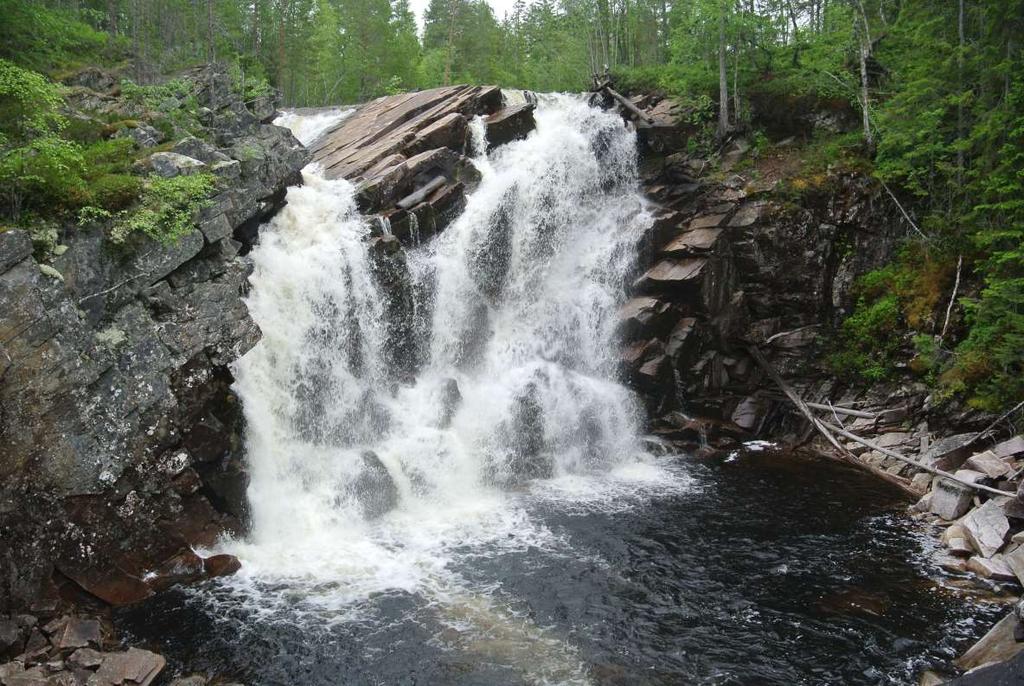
(308, 127)
(516, 304)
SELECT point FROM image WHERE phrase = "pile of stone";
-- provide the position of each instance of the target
(985, 532)
(69, 651)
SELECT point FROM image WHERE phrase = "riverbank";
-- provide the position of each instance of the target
(751, 265)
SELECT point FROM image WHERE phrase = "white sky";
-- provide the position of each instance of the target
(500, 7)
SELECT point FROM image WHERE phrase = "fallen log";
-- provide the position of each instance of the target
(421, 193)
(915, 463)
(849, 412)
(624, 101)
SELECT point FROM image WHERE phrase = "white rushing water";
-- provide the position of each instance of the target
(369, 471)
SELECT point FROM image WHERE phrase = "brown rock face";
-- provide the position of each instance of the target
(407, 153)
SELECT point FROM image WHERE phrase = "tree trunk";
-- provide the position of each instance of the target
(960, 99)
(723, 76)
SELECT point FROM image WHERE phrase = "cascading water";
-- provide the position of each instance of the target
(447, 485)
(364, 474)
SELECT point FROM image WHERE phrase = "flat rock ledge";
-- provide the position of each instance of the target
(408, 154)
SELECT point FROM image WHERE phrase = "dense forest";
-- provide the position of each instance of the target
(937, 90)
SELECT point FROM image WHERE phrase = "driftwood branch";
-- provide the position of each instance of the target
(915, 463)
(842, 410)
(952, 298)
(981, 434)
(787, 333)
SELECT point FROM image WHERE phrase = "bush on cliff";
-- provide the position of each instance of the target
(167, 208)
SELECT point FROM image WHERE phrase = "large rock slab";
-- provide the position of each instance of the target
(986, 527)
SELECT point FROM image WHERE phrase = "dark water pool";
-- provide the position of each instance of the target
(767, 570)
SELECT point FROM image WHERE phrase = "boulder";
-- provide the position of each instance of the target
(706, 221)
(950, 500)
(78, 633)
(988, 463)
(986, 527)
(670, 275)
(85, 658)
(949, 453)
(1015, 561)
(693, 242)
(1009, 448)
(748, 413)
(747, 214)
(221, 565)
(171, 164)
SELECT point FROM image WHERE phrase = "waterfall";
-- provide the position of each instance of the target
(401, 408)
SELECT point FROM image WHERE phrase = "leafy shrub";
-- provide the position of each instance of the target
(167, 208)
(44, 172)
(114, 191)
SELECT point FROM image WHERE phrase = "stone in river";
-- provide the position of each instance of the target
(986, 527)
(374, 487)
(221, 565)
(995, 646)
(994, 568)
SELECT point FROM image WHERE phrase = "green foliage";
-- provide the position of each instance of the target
(45, 38)
(895, 304)
(45, 171)
(28, 103)
(167, 208)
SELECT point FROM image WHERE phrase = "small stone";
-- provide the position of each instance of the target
(78, 633)
(86, 658)
(987, 463)
(194, 680)
(952, 531)
(960, 547)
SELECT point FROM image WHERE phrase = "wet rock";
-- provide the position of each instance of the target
(986, 527)
(133, 667)
(749, 412)
(671, 275)
(693, 242)
(644, 317)
(374, 488)
(994, 568)
(109, 584)
(527, 459)
(995, 646)
(509, 124)
(221, 565)
(451, 397)
(171, 164)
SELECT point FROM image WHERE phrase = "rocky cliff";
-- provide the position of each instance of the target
(120, 433)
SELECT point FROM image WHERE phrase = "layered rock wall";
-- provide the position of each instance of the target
(120, 433)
